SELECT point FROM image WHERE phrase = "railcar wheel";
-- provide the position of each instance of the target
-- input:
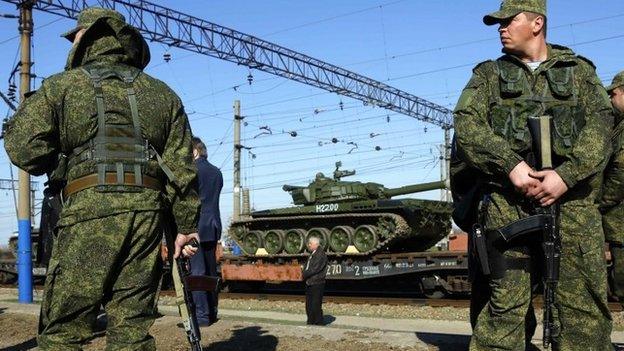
(435, 294)
(251, 242)
(7, 278)
(340, 238)
(321, 233)
(294, 241)
(274, 241)
(365, 238)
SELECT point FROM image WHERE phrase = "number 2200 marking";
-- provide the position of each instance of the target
(326, 207)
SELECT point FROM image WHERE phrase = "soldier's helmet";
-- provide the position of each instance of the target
(89, 16)
(618, 81)
(510, 8)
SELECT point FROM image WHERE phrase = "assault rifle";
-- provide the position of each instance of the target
(184, 284)
(546, 221)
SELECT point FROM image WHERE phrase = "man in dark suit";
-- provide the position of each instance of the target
(314, 275)
(204, 262)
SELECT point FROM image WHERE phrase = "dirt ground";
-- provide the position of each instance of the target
(19, 331)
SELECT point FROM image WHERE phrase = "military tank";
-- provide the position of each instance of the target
(350, 218)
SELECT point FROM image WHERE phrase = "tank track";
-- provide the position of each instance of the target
(401, 228)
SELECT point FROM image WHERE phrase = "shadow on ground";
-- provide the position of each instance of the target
(328, 319)
(445, 342)
(2, 310)
(26, 345)
(249, 338)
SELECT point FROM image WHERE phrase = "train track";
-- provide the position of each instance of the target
(368, 300)
(357, 300)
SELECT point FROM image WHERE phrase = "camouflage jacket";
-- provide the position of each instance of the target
(490, 119)
(612, 204)
(61, 116)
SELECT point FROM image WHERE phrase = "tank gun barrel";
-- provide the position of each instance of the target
(287, 187)
(416, 188)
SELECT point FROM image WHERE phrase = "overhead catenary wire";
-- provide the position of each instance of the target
(297, 181)
(475, 63)
(36, 27)
(322, 20)
(472, 42)
(407, 54)
(330, 165)
(217, 114)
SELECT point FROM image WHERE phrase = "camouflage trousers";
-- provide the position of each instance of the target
(617, 277)
(581, 315)
(110, 262)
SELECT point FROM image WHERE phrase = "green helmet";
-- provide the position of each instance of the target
(89, 16)
(618, 81)
(510, 8)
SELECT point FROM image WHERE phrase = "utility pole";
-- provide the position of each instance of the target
(24, 245)
(445, 165)
(442, 170)
(237, 157)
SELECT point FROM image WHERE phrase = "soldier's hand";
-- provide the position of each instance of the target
(164, 252)
(519, 177)
(552, 187)
(182, 245)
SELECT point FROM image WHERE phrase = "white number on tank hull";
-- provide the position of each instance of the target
(326, 207)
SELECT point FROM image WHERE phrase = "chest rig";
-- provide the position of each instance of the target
(521, 95)
(118, 154)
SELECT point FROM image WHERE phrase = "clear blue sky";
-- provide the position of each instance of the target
(427, 48)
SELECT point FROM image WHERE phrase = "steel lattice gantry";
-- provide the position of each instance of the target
(177, 29)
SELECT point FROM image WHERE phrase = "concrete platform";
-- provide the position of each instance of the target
(401, 334)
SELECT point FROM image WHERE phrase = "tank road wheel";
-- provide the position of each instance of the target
(294, 241)
(251, 242)
(274, 241)
(321, 233)
(365, 238)
(238, 232)
(386, 227)
(340, 238)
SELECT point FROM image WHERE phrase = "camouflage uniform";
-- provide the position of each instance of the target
(491, 131)
(106, 249)
(612, 204)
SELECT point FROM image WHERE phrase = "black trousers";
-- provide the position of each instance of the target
(314, 300)
(204, 262)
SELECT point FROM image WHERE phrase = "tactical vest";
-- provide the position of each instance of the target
(117, 156)
(516, 100)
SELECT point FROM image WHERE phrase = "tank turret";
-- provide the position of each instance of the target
(324, 189)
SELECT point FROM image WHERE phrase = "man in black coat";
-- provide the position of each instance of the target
(204, 262)
(314, 275)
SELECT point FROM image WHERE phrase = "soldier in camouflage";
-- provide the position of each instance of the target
(612, 205)
(122, 142)
(534, 78)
